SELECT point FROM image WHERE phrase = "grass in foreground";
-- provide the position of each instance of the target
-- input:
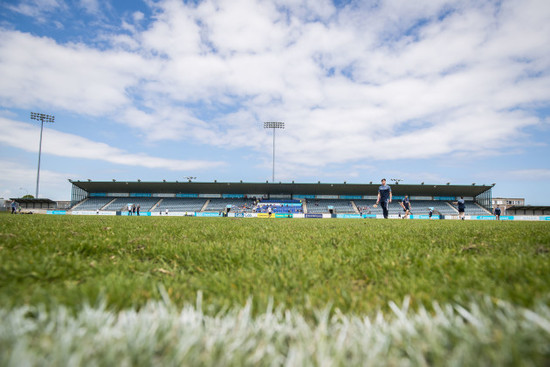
(357, 266)
(485, 333)
(275, 292)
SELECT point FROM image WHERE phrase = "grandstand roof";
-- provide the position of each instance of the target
(278, 188)
(532, 208)
(33, 200)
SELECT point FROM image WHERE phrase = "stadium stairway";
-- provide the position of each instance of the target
(156, 205)
(205, 205)
(483, 209)
(83, 203)
(106, 205)
(354, 206)
(451, 205)
(79, 204)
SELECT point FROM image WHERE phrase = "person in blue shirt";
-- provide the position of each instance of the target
(497, 212)
(461, 207)
(384, 197)
(406, 205)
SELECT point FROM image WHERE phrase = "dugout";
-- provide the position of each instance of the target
(528, 210)
(481, 194)
(29, 203)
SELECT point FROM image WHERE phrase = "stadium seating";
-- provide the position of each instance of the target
(322, 206)
(367, 207)
(92, 204)
(180, 205)
(237, 205)
(472, 208)
(422, 207)
(280, 206)
(242, 205)
(122, 203)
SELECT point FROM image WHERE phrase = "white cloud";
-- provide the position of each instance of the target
(535, 174)
(91, 6)
(38, 71)
(25, 136)
(17, 180)
(37, 8)
(393, 80)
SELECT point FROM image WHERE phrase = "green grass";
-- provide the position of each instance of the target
(109, 291)
(357, 266)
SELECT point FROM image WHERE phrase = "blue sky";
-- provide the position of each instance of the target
(425, 91)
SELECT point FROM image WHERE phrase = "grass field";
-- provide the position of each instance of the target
(344, 269)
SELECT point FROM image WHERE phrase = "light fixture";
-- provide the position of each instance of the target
(274, 125)
(42, 118)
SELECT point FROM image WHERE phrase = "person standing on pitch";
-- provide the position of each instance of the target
(406, 205)
(384, 197)
(497, 212)
(461, 207)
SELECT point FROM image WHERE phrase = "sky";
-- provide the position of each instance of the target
(430, 91)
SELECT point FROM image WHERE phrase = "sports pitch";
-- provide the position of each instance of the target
(326, 273)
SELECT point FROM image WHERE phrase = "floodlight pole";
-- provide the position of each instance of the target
(274, 125)
(40, 117)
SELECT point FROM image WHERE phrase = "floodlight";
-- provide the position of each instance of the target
(274, 125)
(42, 118)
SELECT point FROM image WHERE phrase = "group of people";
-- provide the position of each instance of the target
(134, 209)
(385, 197)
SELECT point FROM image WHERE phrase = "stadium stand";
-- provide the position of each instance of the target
(280, 206)
(180, 205)
(367, 207)
(322, 206)
(236, 204)
(472, 208)
(93, 204)
(122, 203)
(241, 197)
(422, 207)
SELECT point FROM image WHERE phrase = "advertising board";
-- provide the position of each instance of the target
(348, 216)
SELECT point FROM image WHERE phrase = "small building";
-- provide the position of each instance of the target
(505, 203)
(528, 210)
(31, 203)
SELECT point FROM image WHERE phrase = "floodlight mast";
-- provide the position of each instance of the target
(274, 125)
(42, 118)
